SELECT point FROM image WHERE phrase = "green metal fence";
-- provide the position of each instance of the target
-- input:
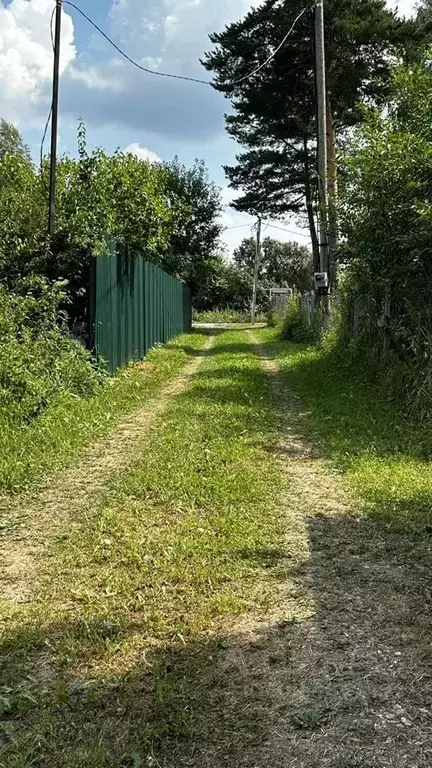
(135, 305)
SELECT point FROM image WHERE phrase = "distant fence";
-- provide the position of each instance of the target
(279, 298)
(133, 306)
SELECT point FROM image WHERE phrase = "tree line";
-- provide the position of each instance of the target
(273, 114)
(165, 212)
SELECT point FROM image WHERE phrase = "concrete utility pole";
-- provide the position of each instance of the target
(54, 117)
(256, 264)
(322, 134)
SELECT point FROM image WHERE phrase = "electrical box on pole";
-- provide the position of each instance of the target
(321, 281)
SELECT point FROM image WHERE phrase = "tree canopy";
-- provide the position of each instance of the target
(274, 110)
(281, 264)
(165, 212)
(11, 142)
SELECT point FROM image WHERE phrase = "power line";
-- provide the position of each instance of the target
(272, 55)
(50, 111)
(183, 77)
(291, 231)
(44, 135)
(272, 226)
(238, 226)
(128, 58)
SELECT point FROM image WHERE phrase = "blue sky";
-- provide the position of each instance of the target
(121, 106)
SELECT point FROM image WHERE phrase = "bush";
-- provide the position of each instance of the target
(226, 316)
(274, 317)
(298, 326)
(386, 218)
(38, 359)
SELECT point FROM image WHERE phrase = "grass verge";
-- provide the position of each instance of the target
(385, 459)
(225, 316)
(183, 546)
(30, 451)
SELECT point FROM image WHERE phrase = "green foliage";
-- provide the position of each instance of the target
(274, 111)
(38, 359)
(22, 216)
(281, 264)
(165, 212)
(11, 142)
(198, 208)
(225, 285)
(298, 325)
(274, 318)
(225, 316)
(384, 456)
(387, 220)
(69, 418)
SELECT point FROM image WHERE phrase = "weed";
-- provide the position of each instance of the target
(298, 325)
(225, 316)
(310, 719)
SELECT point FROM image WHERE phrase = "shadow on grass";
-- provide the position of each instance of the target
(341, 678)
(335, 689)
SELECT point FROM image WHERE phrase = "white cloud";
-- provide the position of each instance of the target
(164, 35)
(174, 31)
(110, 77)
(26, 55)
(142, 153)
(405, 7)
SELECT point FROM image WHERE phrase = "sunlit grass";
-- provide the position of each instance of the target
(53, 439)
(384, 457)
(183, 543)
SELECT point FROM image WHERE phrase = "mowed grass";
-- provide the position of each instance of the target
(29, 451)
(181, 548)
(384, 457)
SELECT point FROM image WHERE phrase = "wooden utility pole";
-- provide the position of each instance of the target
(322, 135)
(54, 117)
(256, 264)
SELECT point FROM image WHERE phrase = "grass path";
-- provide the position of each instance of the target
(358, 693)
(38, 520)
(220, 600)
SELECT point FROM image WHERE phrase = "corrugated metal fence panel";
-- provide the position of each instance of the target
(136, 305)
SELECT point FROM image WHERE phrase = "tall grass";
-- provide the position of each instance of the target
(226, 316)
(70, 420)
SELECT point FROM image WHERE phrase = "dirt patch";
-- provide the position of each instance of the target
(35, 522)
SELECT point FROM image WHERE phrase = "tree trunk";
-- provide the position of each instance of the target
(310, 208)
(333, 197)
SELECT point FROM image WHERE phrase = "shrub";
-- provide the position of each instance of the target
(274, 317)
(226, 316)
(38, 359)
(300, 326)
(386, 218)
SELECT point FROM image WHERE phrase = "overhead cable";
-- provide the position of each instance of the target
(184, 77)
